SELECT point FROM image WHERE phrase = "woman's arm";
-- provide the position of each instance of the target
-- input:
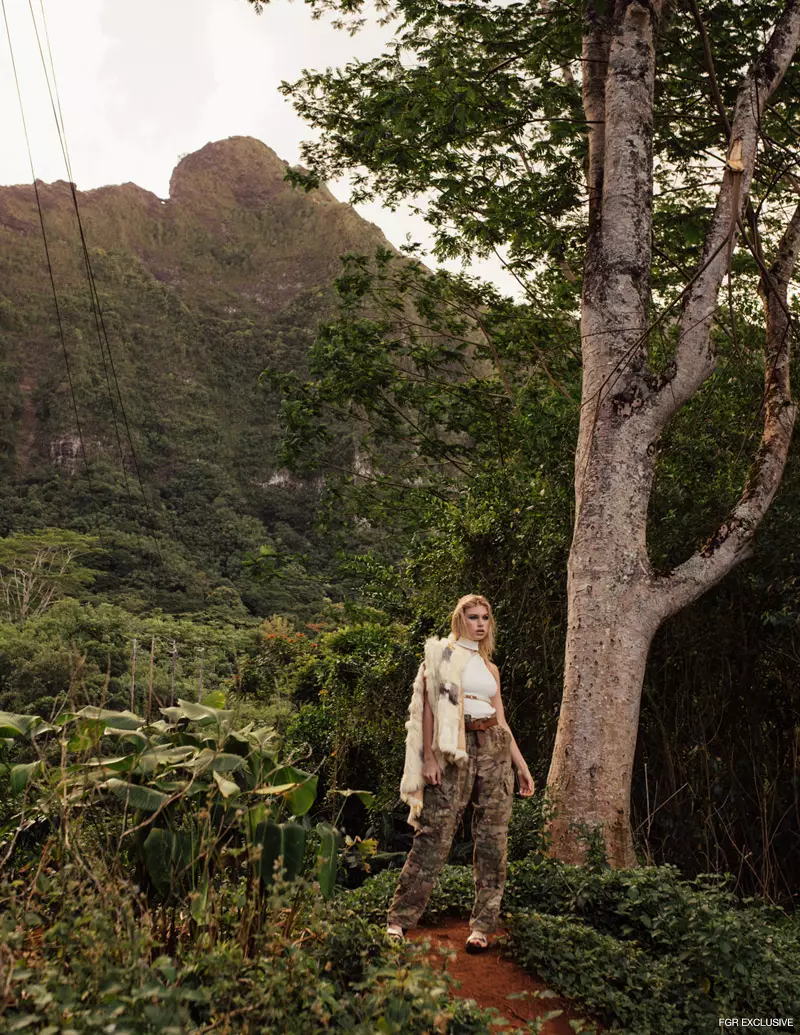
(526, 785)
(431, 773)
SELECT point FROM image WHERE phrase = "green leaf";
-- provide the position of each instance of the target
(268, 836)
(237, 744)
(367, 797)
(121, 763)
(301, 799)
(134, 737)
(145, 799)
(170, 857)
(280, 839)
(198, 908)
(158, 851)
(157, 757)
(254, 817)
(226, 787)
(22, 726)
(293, 849)
(117, 720)
(328, 858)
(218, 761)
(226, 762)
(195, 712)
(216, 699)
(21, 775)
(280, 788)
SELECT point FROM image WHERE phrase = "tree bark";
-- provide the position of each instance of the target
(615, 600)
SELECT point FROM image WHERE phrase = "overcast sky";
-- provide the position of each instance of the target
(142, 82)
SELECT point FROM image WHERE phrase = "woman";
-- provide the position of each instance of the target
(458, 748)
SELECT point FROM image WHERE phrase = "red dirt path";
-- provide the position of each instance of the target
(489, 979)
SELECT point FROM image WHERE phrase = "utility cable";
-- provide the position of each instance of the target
(97, 310)
(51, 275)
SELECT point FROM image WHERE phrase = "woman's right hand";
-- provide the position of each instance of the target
(431, 773)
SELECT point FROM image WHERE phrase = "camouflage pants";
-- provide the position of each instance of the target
(486, 778)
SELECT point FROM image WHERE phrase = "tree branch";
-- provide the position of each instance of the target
(731, 541)
(694, 357)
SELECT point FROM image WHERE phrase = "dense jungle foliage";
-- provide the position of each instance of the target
(211, 670)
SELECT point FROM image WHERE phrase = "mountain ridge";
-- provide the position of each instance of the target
(210, 190)
(199, 293)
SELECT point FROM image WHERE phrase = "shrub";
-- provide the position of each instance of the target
(643, 950)
(88, 959)
(353, 695)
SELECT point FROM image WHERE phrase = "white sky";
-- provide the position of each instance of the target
(142, 82)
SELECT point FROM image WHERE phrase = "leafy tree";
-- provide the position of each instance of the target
(623, 141)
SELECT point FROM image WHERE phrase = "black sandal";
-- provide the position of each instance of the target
(476, 943)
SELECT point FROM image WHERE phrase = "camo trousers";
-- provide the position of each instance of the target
(486, 778)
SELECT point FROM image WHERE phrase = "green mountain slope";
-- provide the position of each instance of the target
(198, 293)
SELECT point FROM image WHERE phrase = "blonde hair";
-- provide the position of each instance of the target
(459, 625)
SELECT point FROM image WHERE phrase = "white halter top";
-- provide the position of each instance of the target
(477, 683)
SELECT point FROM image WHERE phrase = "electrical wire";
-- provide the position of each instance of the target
(97, 309)
(51, 276)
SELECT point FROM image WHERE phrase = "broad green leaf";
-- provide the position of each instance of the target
(120, 764)
(367, 797)
(281, 839)
(293, 849)
(159, 726)
(170, 857)
(328, 858)
(268, 837)
(216, 699)
(280, 788)
(117, 720)
(17, 726)
(158, 850)
(218, 761)
(253, 817)
(237, 743)
(157, 757)
(21, 775)
(260, 767)
(226, 787)
(195, 713)
(134, 737)
(170, 786)
(146, 799)
(225, 762)
(198, 907)
(301, 799)
(262, 736)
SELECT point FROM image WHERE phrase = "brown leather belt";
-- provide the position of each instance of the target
(478, 726)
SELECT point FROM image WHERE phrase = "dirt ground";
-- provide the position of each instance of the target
(489, 979)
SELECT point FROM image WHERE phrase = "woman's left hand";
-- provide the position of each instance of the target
(526, 785)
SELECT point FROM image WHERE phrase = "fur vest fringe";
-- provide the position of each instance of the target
(443, 665)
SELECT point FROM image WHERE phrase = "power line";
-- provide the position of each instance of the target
(97, 310)
(52, 277)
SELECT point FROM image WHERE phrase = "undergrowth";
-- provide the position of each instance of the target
(78, 956)
(643, 950)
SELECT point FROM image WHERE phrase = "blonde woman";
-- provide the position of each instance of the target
(458, 748)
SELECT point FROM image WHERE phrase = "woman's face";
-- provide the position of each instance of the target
(476, 620)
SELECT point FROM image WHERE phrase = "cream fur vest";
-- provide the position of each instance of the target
(443, 664)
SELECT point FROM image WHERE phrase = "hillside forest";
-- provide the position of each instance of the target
(252, 456)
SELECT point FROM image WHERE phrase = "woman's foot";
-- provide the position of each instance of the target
(477, 942)
(395, 932)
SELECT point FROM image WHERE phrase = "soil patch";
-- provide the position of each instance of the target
(489, 979)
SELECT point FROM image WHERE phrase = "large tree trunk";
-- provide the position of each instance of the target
(616, 602)
(593, 757)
